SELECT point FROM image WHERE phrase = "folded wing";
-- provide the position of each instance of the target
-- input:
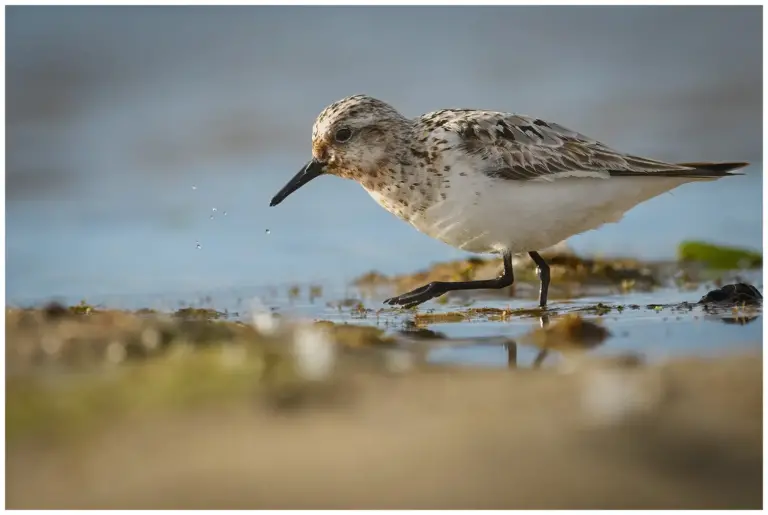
(522, 148)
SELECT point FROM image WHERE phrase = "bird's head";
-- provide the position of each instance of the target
(354, 138)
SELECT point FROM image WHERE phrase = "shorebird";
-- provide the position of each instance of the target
(485, 182)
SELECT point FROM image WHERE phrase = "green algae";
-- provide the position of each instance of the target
(718, 256)
(82, 309)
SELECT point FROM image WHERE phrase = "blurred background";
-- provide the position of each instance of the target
(144, 143)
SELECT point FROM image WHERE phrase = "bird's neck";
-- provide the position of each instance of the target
(389, 167)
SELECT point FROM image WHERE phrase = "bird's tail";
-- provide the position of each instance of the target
(712, 170)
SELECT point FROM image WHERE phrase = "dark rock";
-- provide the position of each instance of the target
(739, 293)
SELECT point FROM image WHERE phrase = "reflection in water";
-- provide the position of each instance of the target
(645, 331)
(540, 357)
(737, 320)
(571, 333)
(511, 348)
(738, 303)
(543, 353)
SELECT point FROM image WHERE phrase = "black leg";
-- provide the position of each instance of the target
(437, 288)
(543, 271)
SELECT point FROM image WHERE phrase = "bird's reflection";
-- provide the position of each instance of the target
(512, 348)
(543, 353)
(570, 334)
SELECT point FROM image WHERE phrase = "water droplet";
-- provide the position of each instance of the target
(225, 213)
(267, 231)
(199, 246)
(194, 187)
(211, 217)
(214, 209)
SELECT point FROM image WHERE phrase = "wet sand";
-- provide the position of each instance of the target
(605, 434)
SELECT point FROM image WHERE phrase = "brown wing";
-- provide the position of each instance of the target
(518, 147)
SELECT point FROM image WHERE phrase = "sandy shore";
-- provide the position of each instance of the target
(687, 434)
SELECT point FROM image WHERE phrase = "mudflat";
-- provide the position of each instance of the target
(602, 434)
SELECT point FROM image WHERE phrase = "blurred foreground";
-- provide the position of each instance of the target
(109, 409)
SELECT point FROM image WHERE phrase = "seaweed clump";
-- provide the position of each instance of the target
(569, 332)
(718, 256)
(734, 294)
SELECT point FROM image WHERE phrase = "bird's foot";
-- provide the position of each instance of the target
(418, 296)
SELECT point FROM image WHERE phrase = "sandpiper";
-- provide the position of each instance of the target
(485, 181)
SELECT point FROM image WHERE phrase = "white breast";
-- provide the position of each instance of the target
(487, 215)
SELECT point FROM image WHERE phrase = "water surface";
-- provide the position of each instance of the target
(128, 126)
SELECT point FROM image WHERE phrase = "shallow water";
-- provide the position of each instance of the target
(240, 267)
(640, 328)
(653, 334)
(119, 149)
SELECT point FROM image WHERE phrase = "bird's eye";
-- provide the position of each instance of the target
(343, 135)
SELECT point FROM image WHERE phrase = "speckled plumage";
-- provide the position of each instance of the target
(485, 181)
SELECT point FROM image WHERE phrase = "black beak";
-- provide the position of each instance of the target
(311, 170)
